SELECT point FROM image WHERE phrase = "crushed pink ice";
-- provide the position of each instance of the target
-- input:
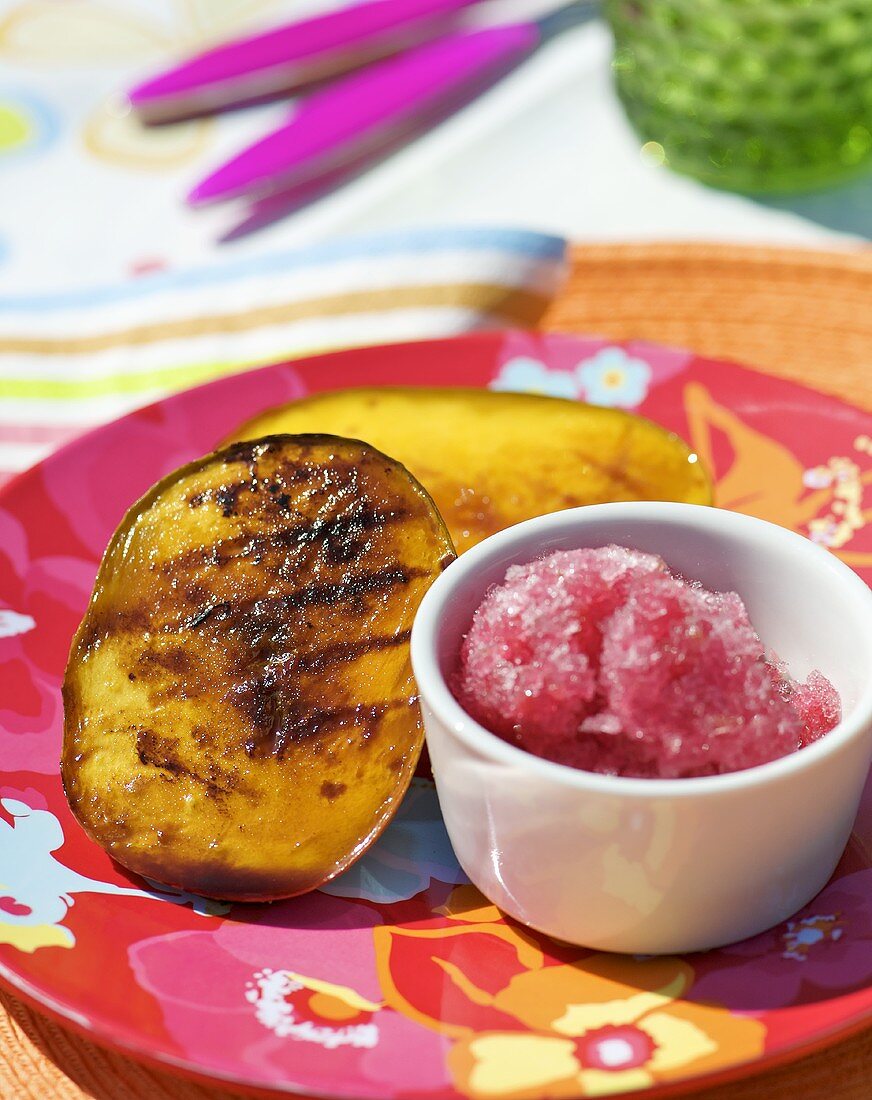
(604, 660)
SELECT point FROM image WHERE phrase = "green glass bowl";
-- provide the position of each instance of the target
(749, 95)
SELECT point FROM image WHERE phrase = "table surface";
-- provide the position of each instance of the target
(547, 148)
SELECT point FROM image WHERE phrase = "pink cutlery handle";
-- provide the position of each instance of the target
(306, 46)
(375, 100)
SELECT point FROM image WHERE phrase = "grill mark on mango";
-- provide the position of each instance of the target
(255, 616)
(112, 621)
(331, 791)
(174, 660)
(256, 619)
(281, 713)
(345, 652)
(349, 590)
(221, 609)
(261, 614)
(276, 728)
(334, 534)
(159, 752)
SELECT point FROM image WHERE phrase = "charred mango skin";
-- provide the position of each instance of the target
(490, 460)
(240, 714)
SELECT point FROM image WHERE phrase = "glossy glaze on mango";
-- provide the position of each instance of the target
(490, 460)
(240, 714)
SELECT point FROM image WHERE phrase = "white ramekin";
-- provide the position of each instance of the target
(654, 866)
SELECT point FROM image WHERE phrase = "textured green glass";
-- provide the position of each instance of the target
(750, 95)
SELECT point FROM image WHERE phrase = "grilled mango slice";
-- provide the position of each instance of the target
(490, 460)
(240, 713)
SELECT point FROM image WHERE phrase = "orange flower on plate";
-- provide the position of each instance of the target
(604, 1025)
(527, 1027)
(764, 478)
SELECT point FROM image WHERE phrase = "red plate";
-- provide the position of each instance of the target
(397, 980)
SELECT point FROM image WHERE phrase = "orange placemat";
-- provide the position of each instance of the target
(41, 1061)
(800, 314)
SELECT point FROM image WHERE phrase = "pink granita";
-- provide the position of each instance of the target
(604, 660)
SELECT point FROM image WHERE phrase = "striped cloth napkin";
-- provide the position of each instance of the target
(72, 360)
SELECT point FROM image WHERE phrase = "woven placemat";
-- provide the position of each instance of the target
(800, 314)
(41, 1061)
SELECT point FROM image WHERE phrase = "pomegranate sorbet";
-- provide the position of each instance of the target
(604, 660)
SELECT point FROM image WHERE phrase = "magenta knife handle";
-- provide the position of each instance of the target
(376, 100)
(303, 50)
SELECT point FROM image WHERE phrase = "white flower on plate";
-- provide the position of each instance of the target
(13, 623)
(614, 379)
(818, 477)
(36, 890)
(272, 993)
(525, 375)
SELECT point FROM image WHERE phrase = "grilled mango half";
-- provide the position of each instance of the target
(490, 460)
(240, 713)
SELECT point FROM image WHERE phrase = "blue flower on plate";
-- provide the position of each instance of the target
(614, 378)
(525, 375)
(412, 850)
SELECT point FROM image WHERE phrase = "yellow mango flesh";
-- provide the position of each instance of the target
(240, 714)
(490, 460)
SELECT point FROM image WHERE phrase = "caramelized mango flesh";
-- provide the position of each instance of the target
(490, 460)
(240, 714)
